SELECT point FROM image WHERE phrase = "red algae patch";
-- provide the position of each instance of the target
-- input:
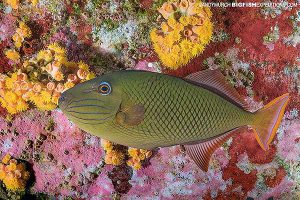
(274, 181)
(246, 142)
(239, 179)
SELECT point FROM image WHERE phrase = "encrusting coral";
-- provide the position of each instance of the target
(12, 55)
(116, 157)
(13, 174)
(14, 4)
(185, 31)
(137, 156)
(41, 80)
(22, 32)
(113, 156)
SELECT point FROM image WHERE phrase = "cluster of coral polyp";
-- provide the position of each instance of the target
(185, 30)
(40, 80)
(18, 38)
(14, 4)
(13, 174)
(137, 156)
(117, 155)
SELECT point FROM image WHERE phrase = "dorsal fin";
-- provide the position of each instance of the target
(200, 153)
(214, 81)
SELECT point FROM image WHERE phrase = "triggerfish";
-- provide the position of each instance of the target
(147, 110)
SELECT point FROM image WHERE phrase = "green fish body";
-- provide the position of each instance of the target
(147, 110)
(176, 112)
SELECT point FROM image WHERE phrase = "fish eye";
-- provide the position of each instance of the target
(104, 88)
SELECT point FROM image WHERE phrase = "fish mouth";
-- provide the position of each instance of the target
(89, 111)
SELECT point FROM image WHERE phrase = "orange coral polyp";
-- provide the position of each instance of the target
(194, 39)
(183, 5)
(59, 88)
(81, 73)
(24, 86)
(166, 10)
(17, 89)
(137, 156)
(56, 64)
(26, 96)
(191, 33)
(6, 159)
(37, 87)
(22, 77)
(187, 32)
(200, 21)
(58, 76)
(51, 86)
(72, 78)
(166, 28)
(17, 86)
(13, 174)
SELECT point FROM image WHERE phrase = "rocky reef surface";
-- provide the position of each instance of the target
(49, 46)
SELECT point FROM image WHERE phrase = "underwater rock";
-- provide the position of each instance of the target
(257, 49)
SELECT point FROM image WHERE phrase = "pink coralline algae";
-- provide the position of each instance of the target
(289, 147)
(147, 66)
(7, 26)
(62, 166)
(280, 191)
(182, 179)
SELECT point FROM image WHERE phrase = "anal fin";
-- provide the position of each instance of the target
(200, 153)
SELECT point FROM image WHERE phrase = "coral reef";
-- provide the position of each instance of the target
(49, 46)
(237, 72)
(41, 79)
(114, 155)
(116, 25)
(137, 156)
(185, 31)
(13, 174)
(117, 155)
(65, 161)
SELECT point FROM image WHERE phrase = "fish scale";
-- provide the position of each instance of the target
(177, 111)
(147, 110)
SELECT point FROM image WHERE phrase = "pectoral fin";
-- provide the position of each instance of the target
(201, 152)
(130, 115)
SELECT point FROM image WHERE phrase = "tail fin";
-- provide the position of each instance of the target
(267, 120)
